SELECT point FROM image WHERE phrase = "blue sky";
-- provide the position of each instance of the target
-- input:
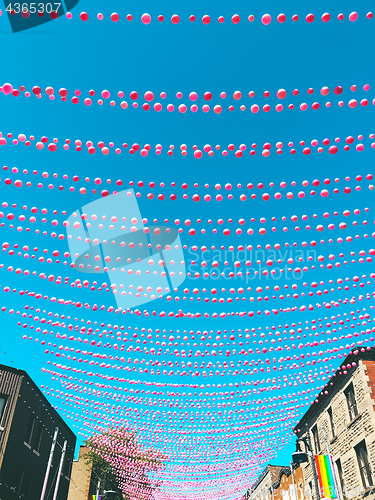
(187, 57)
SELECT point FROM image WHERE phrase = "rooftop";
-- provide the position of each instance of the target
(345, 371)
(58, 419)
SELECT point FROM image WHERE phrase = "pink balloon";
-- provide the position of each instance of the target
(149, 96)
(266, 19)
(7, 88)
(146, 18)
(353, 16)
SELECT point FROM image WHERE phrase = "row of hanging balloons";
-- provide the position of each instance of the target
(235, 423)
(206, 19)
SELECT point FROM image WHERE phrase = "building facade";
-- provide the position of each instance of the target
(276, 483)
(27, 427)
(341, 423)
(290, 484)
(80, 482)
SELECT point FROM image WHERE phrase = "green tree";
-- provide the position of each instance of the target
(123, 465)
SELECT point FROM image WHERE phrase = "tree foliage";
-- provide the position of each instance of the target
(123, 465)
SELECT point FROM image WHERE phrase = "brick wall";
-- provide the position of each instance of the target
(80, 478)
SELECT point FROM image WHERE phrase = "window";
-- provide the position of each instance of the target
(341, 477)
(364, 465)
(3, 401)
(37, 436)
(30, 429)
(350, 399)
(330, 415)
(316, 439)
(310, 489)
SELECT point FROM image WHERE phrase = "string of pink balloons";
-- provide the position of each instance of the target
(254, 368)
(195, 426)
(262, 231)
(290, 195)
(181, 314)
(278, 367)
(149, 96)
(138, 402)
(265, 19)
(241, 291)
(196, 336)
(228, 186)
(197, 153)
(237, 264)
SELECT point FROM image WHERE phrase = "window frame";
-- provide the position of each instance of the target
(315, 434)
(5, 398)
(311, 489)
(351, 402)
(332, 424)
(365, 467)
(341, 477)
(30, 429)
(37, 434)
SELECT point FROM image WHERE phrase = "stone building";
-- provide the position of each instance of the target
(288, 487)
(263, 488)
(80, 481)
(344, 413)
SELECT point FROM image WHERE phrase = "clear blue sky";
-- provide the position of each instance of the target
(187, 57)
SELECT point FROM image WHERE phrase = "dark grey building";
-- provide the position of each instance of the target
(27, 427)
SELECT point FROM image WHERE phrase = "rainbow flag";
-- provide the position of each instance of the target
(96, 497)
(324, 466)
